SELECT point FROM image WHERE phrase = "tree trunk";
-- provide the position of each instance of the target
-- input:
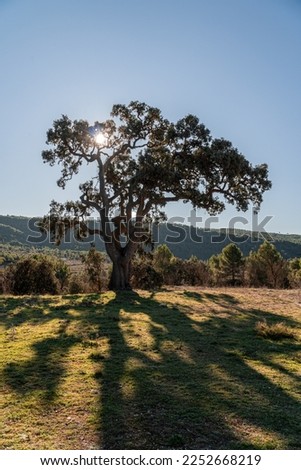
(120, 277)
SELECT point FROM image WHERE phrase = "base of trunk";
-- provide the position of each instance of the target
(120, 276)
(116, 286)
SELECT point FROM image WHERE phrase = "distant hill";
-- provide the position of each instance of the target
(184, 241)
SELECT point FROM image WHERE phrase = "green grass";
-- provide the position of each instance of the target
(181, 368)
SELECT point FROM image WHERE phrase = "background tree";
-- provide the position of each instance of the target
(274, 265)
(266, 267)
(216, 275)
(231, 264)
(255, 274)
(142, 162)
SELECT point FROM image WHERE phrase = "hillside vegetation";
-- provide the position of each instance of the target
(14, 231)
(180, 368)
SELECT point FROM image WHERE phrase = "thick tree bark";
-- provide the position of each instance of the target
(120, 277)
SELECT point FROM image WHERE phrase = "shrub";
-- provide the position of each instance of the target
(175, 274)
(294, 275)
(275, 331)
(195, 272)
(78, 284)
(144, 276)
(34, 275)
(93, 262)
(161, 260)
(62, 273)
(7, 280)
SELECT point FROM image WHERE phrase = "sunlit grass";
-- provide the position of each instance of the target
(180, 368)
(275, 331)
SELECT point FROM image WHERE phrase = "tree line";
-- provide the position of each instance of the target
(44, 274)
(262, 268)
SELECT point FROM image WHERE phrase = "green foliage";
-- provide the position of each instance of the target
(255, 274)
(62, 273)
(231, 264)
(78, 284)
(161, 258)
(171, 270)
(34, 275)
(273, 266)
(195, 272)
(175, 274)
(2, 287)
(93, 262)
(294, 275)
(266, 267)
(215, 270)
(144, 275)
(162, 262)
(227, 267)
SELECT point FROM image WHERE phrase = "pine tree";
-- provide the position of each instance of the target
(231, 264)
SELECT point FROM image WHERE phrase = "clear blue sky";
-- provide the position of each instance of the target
(234, 63)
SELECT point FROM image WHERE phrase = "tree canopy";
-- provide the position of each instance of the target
(142, 162)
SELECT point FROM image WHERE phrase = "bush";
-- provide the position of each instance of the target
(33, 275)
(276, 331)
(144, 276)
(161, 260)
(94, 267)
(62, 273)
(195, 272)
(6, 281)
(175, 274)
(76, 286)
(294, 275)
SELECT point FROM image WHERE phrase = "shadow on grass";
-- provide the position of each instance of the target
(44, 371)
(170, 381)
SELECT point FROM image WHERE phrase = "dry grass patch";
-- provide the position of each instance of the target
(276, 331)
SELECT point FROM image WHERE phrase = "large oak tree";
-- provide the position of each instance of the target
(142, 162)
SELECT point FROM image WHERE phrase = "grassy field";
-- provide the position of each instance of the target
(181, 368)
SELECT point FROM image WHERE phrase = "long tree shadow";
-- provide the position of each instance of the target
(170, 379)
(194, 385)
(44, 371)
